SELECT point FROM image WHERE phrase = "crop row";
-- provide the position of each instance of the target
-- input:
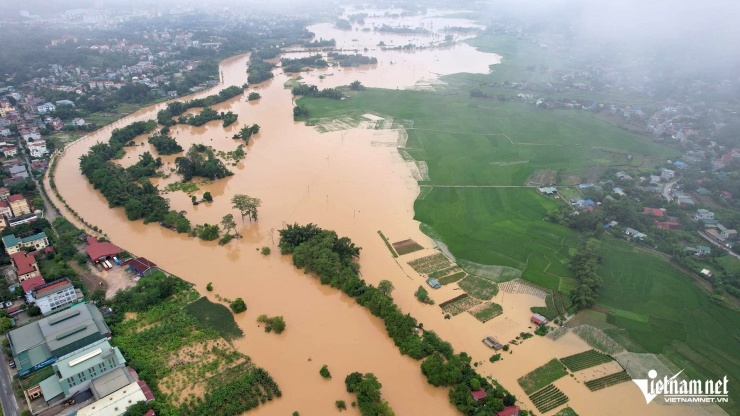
(610, 380)
(585, 359)
(548, 398)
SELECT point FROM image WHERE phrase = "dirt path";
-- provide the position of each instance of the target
(92, 281)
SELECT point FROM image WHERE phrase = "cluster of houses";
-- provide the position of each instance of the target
(76, 344)
(14, 210)
(73, 337)
(714, 229)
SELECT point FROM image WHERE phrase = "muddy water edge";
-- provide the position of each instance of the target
(352, 181)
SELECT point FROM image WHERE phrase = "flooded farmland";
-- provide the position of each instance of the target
(355, 182)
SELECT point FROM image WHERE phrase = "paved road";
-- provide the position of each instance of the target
(667, 190)
(711, 240)
(7, 397)
(50, 213)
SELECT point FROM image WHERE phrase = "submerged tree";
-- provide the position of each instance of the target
(228, 223)
(246, 205)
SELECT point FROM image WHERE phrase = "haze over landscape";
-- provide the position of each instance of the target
(409, 208)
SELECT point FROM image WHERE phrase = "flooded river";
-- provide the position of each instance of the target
(352, 181)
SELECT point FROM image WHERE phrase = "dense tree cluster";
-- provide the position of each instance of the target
(369, 399)
(585, 263)
(247, 132)
(120, 186)
(146, 167)
(246, 205)
(352, 60)
(275, 323)
(174, 221)
(321, 43)
(313, 91)
(258, 70)
(177, 108)
(356, 86)
(333, 259)
(253, 96)
(229, 118)
(297, 64)
(201, 161)
(300, 112)
(165, 144)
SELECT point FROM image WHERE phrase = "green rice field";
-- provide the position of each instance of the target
(480, 156)
(542, 376)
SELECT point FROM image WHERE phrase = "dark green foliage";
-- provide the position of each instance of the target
(352, 60)
(235, 392)
(300, 112)
(313, 91)
(320, 43)
(208, 232)
(422, 295)
(238, 305)
(150, 291)
(177, 108)
(209, 287)
(217, 316)
(296, 65)
(118, 185)
(207, 197)
(325, 372)
(585, 263)
(165, 145)
(98, 296)
(201, 161)
(253, 96)
(34, 311)
(247, 131)
(369, 398)
(258, 69)
(341, 405)
(229, 118)
(352, 380)
(356, 86)
(206, 115)
(146, 167)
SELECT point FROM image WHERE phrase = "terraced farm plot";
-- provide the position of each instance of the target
(452, 278)
(486, 311)
(479, 287)
(548, 398)
(598, 339)
(608, 381)
(430, 264)
(566, 412)
(542, 376)
(586, 359)
(406, 247)
(459, 304)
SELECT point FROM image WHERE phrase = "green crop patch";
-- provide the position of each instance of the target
(542, 376)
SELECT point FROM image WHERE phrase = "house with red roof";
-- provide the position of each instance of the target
(667, 225)
(508, 411)
(142, 266)
(98, 250)
(478, 395)
(655, 212)
(25, 265)
(29, 285)
(538, 319)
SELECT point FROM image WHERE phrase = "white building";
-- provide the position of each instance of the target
(37, 149)
(31, 135)
(667, 174)
(46, 108)
(54, 296)
(10, 151)
(703, 214)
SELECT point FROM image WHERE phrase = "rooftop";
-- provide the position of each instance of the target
(23, 262)
(110, 382)
(86, 357)
(115, 403)
(32, 283)
(15, 198)
(97, 249)
(52, 287)
(141, 264)
(11, 240)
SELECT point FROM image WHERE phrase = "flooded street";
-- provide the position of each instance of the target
(352, 181)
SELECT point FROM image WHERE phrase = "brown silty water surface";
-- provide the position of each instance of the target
(352, 181)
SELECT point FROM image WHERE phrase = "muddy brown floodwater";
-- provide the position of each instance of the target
(352, 181)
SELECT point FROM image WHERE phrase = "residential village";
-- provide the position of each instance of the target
(671, 210)
(57, 327)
